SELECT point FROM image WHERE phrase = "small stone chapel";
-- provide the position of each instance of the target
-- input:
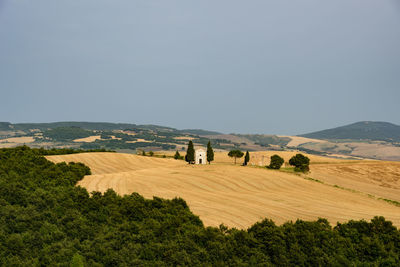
(200, 156)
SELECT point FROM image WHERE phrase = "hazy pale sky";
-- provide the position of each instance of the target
(258, 66)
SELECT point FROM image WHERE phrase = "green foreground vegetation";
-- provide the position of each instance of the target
(45, 220)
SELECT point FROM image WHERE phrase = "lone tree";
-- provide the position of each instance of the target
(210, 153)
(300, 162)
(235, 154)
(246, 158)
(190, 153)
(276, 162)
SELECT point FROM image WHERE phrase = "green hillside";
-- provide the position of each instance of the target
(5, 126)
(365, 130)
(114, 136)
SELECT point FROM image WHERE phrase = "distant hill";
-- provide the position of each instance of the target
(199, 132)
(97, 126)
(362, 139)
(104, 135)
(365, 130)
(5, 126)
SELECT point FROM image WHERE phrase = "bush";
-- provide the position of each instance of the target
(300, 162)
(276, 162)
(177, 155)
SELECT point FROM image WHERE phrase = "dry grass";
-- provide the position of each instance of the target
(234, 195)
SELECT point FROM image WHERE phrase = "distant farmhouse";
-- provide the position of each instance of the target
(200, 156)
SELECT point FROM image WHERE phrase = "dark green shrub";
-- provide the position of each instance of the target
(177, 155)
(276, 162)
(300, 162)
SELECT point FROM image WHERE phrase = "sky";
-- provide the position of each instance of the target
(258, 66)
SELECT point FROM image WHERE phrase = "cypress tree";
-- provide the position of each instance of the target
(210, 153)
(246, 158)
(190, 153)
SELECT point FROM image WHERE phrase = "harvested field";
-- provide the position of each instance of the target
(234, 195)
(297, 140)
(139, 140)
(89, 139)
(258, 156)
(18, 140)
(382, 151)
(378, 178)
(184, 138)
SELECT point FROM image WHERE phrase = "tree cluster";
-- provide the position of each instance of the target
(45, 220)
(67, 133)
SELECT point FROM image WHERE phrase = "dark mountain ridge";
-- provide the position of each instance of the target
(364, 130)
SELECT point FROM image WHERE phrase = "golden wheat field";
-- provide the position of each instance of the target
(15, 141)
(239, 196)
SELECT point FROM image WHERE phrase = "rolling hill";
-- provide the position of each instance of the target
(365, 130)
(102, 135)
(373, 140)
(240, 196)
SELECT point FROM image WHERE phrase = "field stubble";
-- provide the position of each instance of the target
(239, 196)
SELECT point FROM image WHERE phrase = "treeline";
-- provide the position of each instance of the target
(45, 220)
(63, 134)
(120, 144)
(65, 151)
